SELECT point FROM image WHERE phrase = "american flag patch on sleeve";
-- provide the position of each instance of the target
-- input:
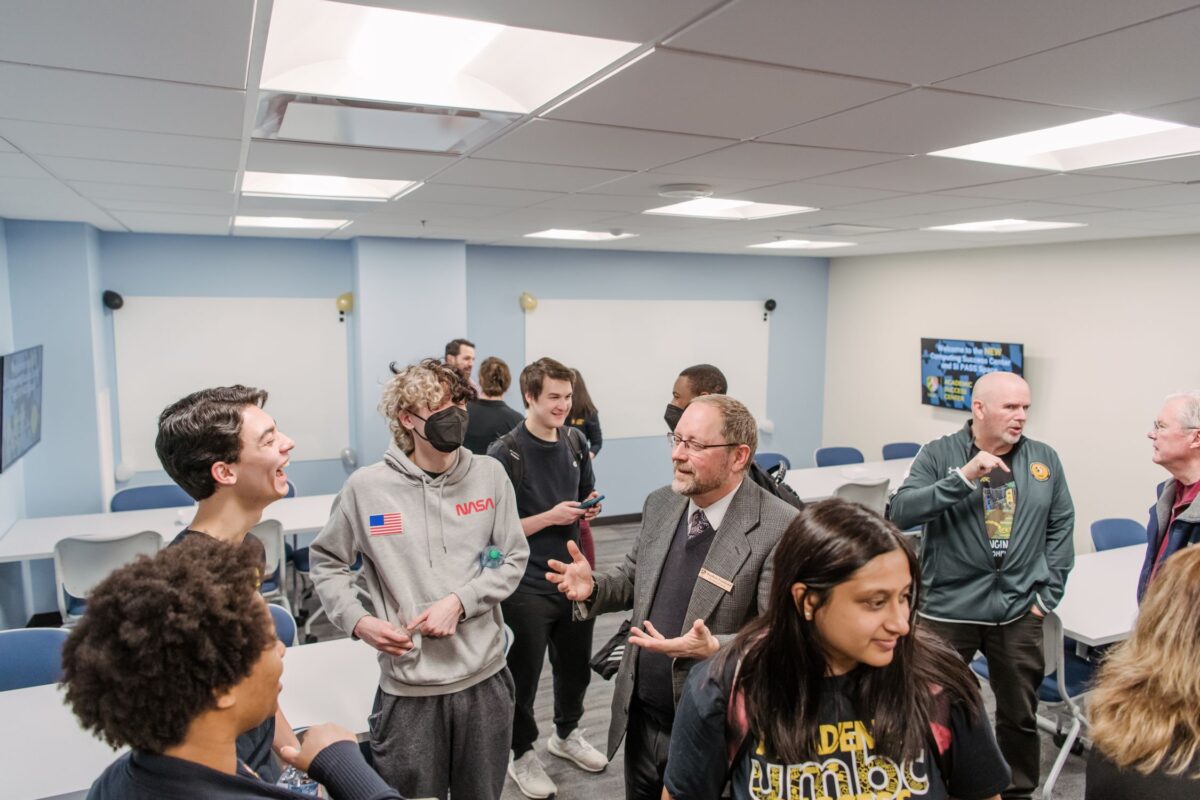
(385, 524)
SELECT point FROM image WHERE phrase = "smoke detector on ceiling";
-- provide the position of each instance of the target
(685, 191)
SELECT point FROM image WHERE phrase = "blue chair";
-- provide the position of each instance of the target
(291, 492)
(769, 462)
(1117, 532)
(285, 624)
(900, 450)
(836, 456)
(301, 567)
(30, 657)
(165, 495)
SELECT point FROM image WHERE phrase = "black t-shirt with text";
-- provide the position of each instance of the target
(551, 473)
(844, 763)
(999, 497)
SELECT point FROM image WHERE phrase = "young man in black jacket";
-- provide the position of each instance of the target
(176, 657)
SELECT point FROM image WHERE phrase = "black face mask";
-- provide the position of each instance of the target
(672, 416)
(446, 429)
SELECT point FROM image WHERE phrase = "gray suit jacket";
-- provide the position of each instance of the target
(741, 553)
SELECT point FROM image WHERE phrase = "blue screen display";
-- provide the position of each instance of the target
(20, 404)
(950, 367)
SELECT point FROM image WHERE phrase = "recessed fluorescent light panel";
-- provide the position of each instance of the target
(717, 208)
(1005, 226)
(323, 187)
(580, 236)
(289, 222)
(364, 52)
(1099, 142)
(800, 244)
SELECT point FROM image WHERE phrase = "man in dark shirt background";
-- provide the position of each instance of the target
(551, 473)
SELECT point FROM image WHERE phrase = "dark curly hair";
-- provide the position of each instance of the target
(201, 429)
(161, 638)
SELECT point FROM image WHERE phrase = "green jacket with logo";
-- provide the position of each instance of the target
(959, 578)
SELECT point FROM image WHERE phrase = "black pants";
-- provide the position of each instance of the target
(1015, 667)
(539, 621)
(647, 744)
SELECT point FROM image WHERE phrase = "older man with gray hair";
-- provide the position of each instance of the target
(1175, 518)
(699, 569)
(998, 526)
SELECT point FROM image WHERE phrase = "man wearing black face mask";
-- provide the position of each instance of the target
(442, 546)
(693, 382)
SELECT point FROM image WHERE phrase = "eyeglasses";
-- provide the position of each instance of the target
(1159, 427)
(693, 446)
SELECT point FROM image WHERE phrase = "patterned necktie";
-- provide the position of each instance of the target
(699, 525)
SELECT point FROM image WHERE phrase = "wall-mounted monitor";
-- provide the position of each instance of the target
(20, 404)
(950, 367)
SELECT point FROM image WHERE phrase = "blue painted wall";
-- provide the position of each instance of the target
(629, 469)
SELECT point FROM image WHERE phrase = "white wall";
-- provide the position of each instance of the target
(1108, 328)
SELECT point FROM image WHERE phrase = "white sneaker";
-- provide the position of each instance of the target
(576, 749)
(531, 778)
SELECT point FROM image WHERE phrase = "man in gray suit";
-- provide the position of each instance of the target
(699, 570)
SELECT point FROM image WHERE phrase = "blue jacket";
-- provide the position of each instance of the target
(1185, 531)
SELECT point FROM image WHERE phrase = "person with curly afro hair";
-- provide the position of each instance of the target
(175, 657)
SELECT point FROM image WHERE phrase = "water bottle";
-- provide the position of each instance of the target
(491, 558)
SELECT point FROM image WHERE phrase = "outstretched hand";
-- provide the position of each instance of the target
(574, 579)
(698, 642)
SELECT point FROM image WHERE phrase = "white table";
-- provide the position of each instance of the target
(35, 537)
(1099, 605)
(44, 753)
(817, 483)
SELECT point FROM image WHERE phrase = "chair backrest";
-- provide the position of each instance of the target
(834, 456)
(30, 657)
(1117, 532)
(270, 533)
(291, 492)
(900, 450)
(80, 563)
(1052, 643)
(163, 495)
(871, 494)
(285, 624)
(769, 461)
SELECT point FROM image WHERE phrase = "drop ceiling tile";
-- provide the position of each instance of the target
(517, 175)
(774, 162)
(111, 195)
(6, 146)
(162, 207)
(601, 146)
(924, 120)
(1032, 210)
(892, 41)
(616, 204)
(639, 223)
(304, 206)
(39, 198)
(141, 222)
(691, 93)
(647, 184)
(86, 169)
(800, 193)
(1189, 224)
(624, 20)
(352, 162)
(414, 209)
(541, 218)
(1163, 194)
(481, 195)
(186, 41)
(1149, 64)
(40, 94)
(17, 165)
(1049, 187)
(1125, 217)
(1186, 112)
(110, 144)
(917, 204)
(926, 174)
(1176, 170)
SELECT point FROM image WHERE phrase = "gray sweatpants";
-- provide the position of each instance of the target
(457, 743)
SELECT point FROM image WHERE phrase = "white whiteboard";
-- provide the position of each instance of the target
(630, 352)
(295, 348)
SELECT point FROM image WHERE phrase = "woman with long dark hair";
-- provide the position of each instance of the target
(584, 416)
(836, 691)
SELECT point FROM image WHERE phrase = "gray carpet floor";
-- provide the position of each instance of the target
(612, 542)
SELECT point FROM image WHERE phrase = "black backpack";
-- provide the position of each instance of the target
(575, 441)
(772, 483)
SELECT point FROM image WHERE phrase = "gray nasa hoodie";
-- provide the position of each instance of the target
(421, 539)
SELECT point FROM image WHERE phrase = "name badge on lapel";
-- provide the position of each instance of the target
(716, 580)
